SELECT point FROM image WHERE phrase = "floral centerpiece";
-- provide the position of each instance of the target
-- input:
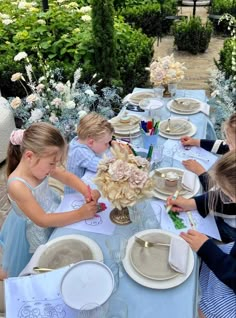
(166, 70)
(62, 104)
(123, 179)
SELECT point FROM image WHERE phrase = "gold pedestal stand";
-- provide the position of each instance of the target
(166, 92)
(120, 217)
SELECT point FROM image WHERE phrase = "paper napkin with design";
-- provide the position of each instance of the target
(205, 108)
(188, 181)
(178, 255)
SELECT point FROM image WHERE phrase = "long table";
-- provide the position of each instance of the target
(180, 301)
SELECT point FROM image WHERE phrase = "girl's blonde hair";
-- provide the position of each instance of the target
(93, 125)
(230, 125)
(223, 178)
(37, 138)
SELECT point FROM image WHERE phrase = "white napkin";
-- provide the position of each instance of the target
(178, 255)
(205, 108)
(188, 181)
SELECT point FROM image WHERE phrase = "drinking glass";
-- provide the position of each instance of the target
(114, 267)
(136, 213)
(116, 245)
(158, 91)
(157, 156)
(117, 308)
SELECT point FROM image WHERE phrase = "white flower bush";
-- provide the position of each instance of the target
(166, 70)
(124, 179)
(59, 103)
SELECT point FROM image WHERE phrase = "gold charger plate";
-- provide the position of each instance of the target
(178, 126)
(185, 104)
(67, 250)
(152, 262)
(136, 97)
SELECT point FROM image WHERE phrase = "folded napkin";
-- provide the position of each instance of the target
(178, 255)
(188, 181)
(205, 108)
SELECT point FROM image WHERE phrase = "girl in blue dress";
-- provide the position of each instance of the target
(35, 154)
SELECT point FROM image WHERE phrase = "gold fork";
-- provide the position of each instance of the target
(145, 243)
(42, 269)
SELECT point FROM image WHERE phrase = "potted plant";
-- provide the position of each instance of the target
(192, 36)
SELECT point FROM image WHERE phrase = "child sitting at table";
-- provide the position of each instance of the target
(94, 135)
(216, 146)
(33, 156)
(218, 272)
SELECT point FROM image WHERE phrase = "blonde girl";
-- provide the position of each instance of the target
(35, 154)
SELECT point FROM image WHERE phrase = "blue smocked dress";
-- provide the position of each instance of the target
(19, 236)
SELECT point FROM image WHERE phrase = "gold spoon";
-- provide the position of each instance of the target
(42, 269)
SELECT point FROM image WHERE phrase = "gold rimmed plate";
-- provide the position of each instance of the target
(185, 105)
(152, 262)
(136, 97)
(178, 126)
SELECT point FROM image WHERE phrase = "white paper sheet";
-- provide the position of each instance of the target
(204, 157)
(37, 296)
(101, 223)
(205, 225)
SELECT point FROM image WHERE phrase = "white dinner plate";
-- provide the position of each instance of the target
(178, 126)
(136, 97)
(150, 103)
(87, 282)
(190, 133)
(172, 109)
(59, 251)
(150, 283)
(186, 194)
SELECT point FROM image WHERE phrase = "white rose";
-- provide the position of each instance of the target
(89, 92)
(36, 115)
(16, 102)
(16, 77)
(60, 87)
(53, 118)
(31, 98)
(82, 113)
(70, 104)
(20, 56)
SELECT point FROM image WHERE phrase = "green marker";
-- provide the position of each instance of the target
(150, 151)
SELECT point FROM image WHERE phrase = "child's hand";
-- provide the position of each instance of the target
(122, 146)
(95, 195)
(194, 239)
(181, 204)
(188, 141)
(88, 210)
(193, 166)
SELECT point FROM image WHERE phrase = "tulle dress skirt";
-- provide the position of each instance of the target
(14, 243)
(217, 299)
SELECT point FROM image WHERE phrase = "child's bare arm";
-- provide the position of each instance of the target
(24, 199)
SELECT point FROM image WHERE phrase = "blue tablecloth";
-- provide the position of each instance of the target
(178, 302)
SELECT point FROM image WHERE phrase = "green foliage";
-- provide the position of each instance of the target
(223, 6)
(225, 60)
(192, 36)
(134, 53)
(104, 39)
(149, 17)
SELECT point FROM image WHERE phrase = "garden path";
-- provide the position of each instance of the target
(200, 66)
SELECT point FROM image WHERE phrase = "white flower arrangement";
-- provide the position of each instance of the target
(124, 178)
(57, 102)
(166, 70)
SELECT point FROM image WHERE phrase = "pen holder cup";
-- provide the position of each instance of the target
(149, 140)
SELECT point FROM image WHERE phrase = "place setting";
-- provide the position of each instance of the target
(135, 98)
(175, 128)
(126, 126)
(158, 259)
(188, 106)
(169, 180)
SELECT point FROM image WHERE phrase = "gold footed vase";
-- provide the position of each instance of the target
(166, 92)
(121, 216)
